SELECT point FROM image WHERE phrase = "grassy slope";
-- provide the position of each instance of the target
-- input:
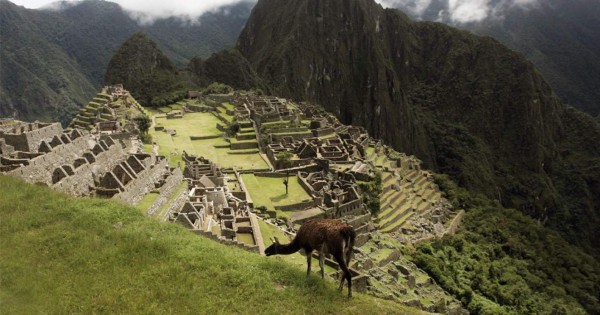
(64, 255)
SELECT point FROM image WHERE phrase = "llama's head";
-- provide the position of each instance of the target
(274, 248)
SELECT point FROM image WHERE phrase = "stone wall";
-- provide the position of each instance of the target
(81, 182)
(243, 145)
(166, 190)
(298, 206)
(215, 238)
(177, 204)
(29, 136)
(40, 168)
(137, 188)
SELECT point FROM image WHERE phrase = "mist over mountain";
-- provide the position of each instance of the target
(67, 49)
(562, 38)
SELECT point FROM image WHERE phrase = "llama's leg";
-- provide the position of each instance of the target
(346, 276)
(348, 252)
(322, 263)
(308, 261)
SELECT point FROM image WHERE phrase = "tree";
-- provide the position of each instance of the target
(285, 159)
(143, 123)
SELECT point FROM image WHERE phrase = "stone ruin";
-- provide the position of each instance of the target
(81, 164)
(218, 206)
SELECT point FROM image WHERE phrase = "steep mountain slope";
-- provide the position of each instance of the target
(228, 67)
(561, 37)
(62, 61)
(466, 105)
(38, 79)
(143, 69)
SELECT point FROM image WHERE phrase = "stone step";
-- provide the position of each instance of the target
(400, 213)
(398, 224)
(401, 208)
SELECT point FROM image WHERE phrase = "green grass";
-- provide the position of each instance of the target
(228, 106)
(201, 124)
(61, 255)
(268, 231)
(162, 211)
(270, 192)
(147, 202)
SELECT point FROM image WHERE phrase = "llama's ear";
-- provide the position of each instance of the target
(276, 239)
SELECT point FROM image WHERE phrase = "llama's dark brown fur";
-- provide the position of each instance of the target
(327, 236)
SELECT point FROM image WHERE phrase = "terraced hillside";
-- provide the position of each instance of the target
(106, 107)
(408, 192)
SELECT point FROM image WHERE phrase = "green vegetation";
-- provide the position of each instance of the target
(371, 191)
(504, 262)
(147, 202)
(60, 254)
(228, 67)
(269, 231)
(215, 149)
(143, 123)
(162, 211)
(144, 70)
(217, 88)
(270, 192)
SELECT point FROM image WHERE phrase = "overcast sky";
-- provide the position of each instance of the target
(461, 11)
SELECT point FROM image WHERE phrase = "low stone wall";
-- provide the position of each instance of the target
(215, 238)
(221, 118)
(204, 137)
(143, 184)
(272, 174)
(393, 256)
(297, 206)
(295, 136)
(252, 171)
(166, 191)
(243, 145)
(455, 224)
(361, 239)
(177, 204)
(360, 220)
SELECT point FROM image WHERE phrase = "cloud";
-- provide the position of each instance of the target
(459, 11)
(147, 11)
(468, 10)
(414, 7)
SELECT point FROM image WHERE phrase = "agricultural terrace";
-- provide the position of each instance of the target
(216, 149)
(270, 192)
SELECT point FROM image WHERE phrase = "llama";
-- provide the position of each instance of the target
(327, 236)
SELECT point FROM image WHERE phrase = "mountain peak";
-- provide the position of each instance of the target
(463, 103)
(142, 68)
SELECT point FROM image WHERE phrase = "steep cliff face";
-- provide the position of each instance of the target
(466, 105)
(142, 69)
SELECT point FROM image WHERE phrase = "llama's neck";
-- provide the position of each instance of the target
(288, 249)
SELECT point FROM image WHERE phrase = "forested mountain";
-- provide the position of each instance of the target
(54, 60)
(471, 108)
(466, 105)
(139, 65)
(561, 37)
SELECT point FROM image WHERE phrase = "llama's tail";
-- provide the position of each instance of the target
(349, 236)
